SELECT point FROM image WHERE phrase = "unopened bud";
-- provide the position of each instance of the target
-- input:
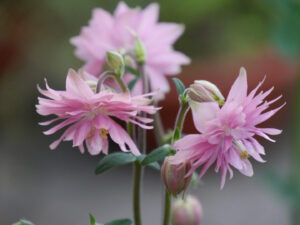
(115, 61)
(205, 91)
(140, 51)
(174, 176)
(187, 212)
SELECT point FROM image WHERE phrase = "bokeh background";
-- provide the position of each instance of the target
(59, 187)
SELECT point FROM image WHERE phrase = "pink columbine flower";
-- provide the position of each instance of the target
(88, 115)
(107, 32)
(228, 133)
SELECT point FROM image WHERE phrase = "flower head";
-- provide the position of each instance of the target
(205, 91)
(173, 175)
(228, 133)
(118, 32)
(187, 212)
(88, 116)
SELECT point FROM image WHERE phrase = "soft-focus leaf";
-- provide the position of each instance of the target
(23, 222)
(120, 222)
(154, 165)
(132, 71)
(158, 154)
(179, 86)
(133, 83)
(92, 220)
(288, 187)
(113, 160)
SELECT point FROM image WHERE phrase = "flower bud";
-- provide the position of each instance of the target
(139, 51)
(187, 212)
(174, 175)
(205, 91)
(115, 61)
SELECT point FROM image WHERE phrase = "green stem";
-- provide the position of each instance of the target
(111, 74)
(137, 174)
(184, 108)
(159, 131)
(136, 193)
(167, 212)
(142, 133)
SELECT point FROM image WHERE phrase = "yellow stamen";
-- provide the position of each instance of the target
(103, 133)
(244, 154)
(90, 134)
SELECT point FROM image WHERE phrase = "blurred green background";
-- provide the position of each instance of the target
(221, 36)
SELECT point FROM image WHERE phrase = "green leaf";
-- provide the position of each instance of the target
(120, 222)
(154, 165)
(179, 86)
(113, 160)
(158, 154)
(132, 83)
(132, 71)
(23, 222)
(92, 219)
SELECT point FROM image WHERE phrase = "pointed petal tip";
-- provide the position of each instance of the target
(243, 71)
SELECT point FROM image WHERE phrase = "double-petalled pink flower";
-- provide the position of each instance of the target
(118, 31)
(88, 115)
(227, 134)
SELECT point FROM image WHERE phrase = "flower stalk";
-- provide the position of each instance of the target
(111, 74)
(137, 193)
(183, 109)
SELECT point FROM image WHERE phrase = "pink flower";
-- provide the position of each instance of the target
(88, 115)
(227, 133)
(107, 32)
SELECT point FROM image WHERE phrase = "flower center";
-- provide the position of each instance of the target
(240, 147)
(103, 133)
(90, 134)
(244, 155)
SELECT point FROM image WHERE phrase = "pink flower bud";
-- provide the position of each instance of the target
(174, 175)
(205, 91)
(187, 212)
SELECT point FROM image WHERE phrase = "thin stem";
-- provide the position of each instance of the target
(184, 108)
(159, 131)
(142, 133)
(142, 145)
(136, 193)
(110, 74)
(167, 212)
(137, 174)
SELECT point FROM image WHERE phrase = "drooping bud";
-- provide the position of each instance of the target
(205, 91)
(174, 176)
(140, 51)
(115, 61)
(187, 212)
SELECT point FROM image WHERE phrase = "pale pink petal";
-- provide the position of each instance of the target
(76, 86)
(238, 91)
(203, 112)
(81, 132)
